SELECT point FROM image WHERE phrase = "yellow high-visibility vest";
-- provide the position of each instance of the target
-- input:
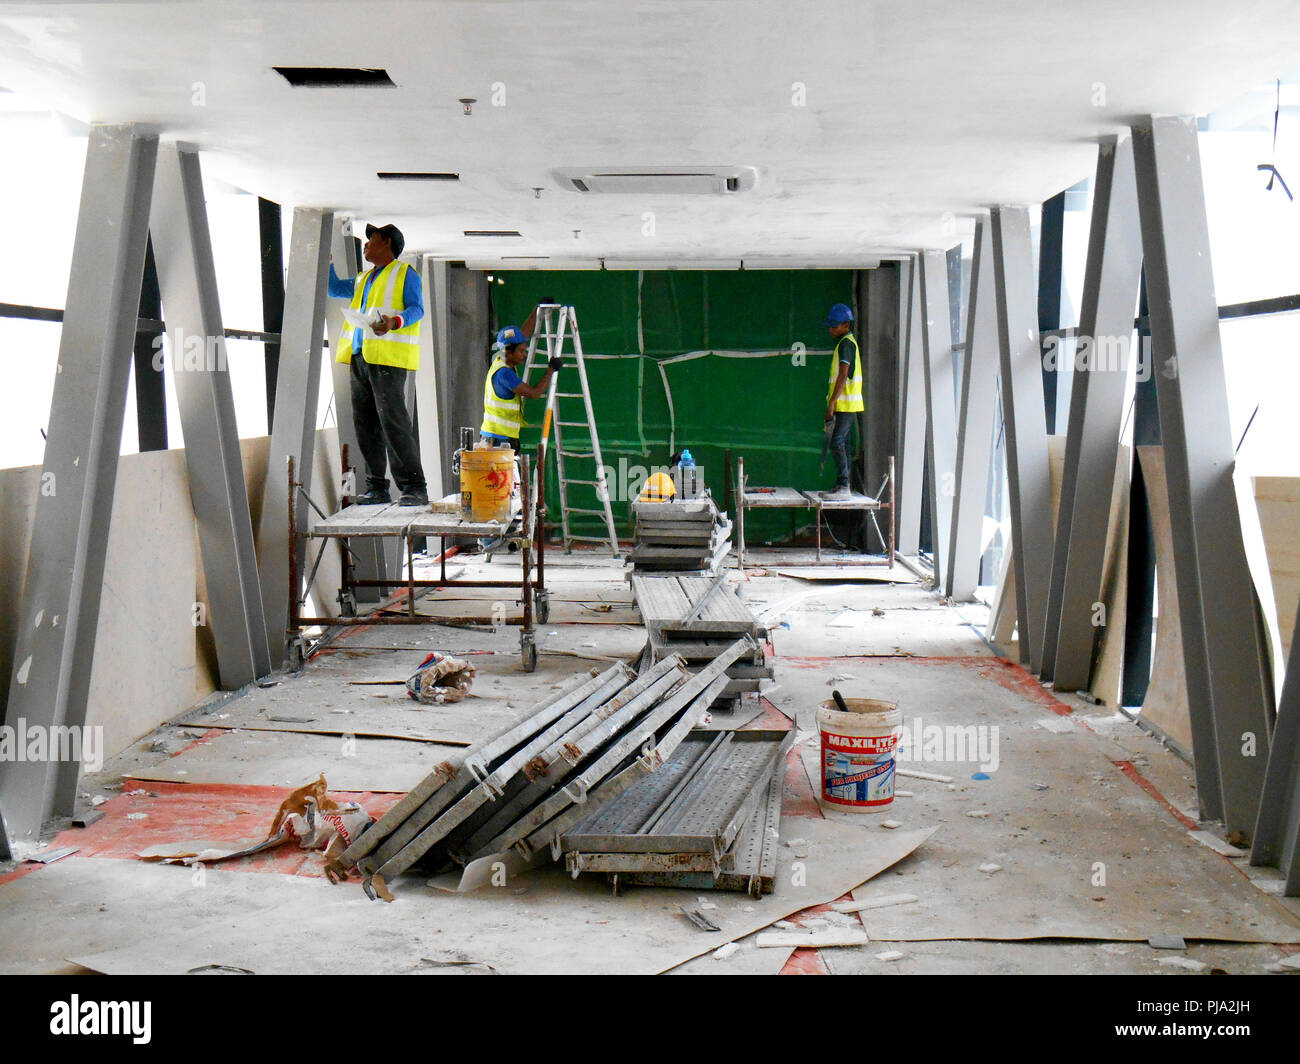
(850, 399)
(397, 347)
(501, 417)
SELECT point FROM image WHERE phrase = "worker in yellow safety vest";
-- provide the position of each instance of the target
(382, 353)
(504, 391)
(844, 397)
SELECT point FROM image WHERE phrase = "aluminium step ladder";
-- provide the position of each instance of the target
(554, 325)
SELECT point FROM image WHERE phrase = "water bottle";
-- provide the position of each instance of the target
(686, 461)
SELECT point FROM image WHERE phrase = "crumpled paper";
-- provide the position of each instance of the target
(440, 679)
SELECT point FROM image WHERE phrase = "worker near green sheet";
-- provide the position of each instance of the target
(844, 396)
(505, 390)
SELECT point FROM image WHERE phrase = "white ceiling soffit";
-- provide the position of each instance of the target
(875, 128)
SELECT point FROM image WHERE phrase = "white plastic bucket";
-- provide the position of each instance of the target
(858, 753)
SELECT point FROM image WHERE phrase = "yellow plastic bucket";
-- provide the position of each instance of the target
(487, 477)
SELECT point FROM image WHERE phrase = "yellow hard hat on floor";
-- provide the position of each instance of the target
(657, 488)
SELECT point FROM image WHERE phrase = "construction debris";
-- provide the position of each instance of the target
(441, 679)
(522, 789)
(308, 816)
(818, 939)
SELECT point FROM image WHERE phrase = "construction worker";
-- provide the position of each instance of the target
(389, 350)
(844, 398)
(504, 391)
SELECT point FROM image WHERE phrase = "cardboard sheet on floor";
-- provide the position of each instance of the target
(127, 916)
(286, 759)
(1049, 842)
(372, 711)
(836, 574)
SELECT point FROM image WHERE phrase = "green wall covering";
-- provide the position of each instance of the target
(743, 392)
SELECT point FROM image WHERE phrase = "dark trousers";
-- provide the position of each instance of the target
(384, 430)
(840, 436)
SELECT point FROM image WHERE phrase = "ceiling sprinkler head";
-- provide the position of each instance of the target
(468, 102)
(575, 233)
(537, 192)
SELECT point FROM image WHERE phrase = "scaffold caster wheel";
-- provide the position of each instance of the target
(528, 652)
(347, 604)
(297, 654)
(543, 604)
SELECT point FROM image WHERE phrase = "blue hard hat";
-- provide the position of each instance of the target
(511, 335)
(839, 314)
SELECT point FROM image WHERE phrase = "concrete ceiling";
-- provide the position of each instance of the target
(876, 129)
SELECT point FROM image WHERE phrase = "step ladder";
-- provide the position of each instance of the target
(555, 325)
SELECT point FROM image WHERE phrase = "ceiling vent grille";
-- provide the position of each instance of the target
(335, 77)
(491, 232)
(415, 175)
(658, 180)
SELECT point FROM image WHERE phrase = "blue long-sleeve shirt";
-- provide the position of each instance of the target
(412, 296)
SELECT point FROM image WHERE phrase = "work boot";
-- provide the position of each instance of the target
(374, 497)
(414, 498)
(840, 491)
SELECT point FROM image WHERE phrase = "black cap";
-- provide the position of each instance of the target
(394, 235)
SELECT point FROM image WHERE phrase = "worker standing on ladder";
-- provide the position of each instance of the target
(504, 391)
(389, 349)
(844, 399)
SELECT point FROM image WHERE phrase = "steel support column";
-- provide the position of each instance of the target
(367, 551)
(1028, 473)
(218, 493)
(911, 417)
(979, 394)
(880, 369)
(940, 402)
(1110, 289)
(1277, 829)
(297, 393)
(55, 647)
(433, 346)
(1227, 688)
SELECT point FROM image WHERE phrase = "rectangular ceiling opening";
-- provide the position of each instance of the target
(335, 77)
(492, 232)
(415, 175)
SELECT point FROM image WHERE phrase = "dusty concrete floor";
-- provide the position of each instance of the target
(1064, 797)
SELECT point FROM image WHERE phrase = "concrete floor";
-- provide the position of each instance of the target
(1075, 786)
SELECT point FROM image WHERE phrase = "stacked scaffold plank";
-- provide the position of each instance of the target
(696, 618)
(680, 535)
(709, 819)
(524, 787)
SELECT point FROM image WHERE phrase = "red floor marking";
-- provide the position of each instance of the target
(805, 962)
(183, 812)
(798, 797)
(809, 961)
(1132, 773)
